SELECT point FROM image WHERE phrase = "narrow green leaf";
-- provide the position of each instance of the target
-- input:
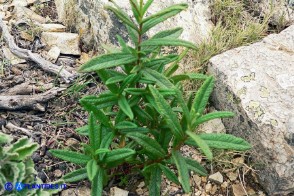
(136, 10)
(135, 91)
(122, 16)
(76, 175)
(92, 169)
(94, 132)
(201, 144)
(125, 125)
(213, 115)
(133, 35)
(70, 156)
(188, 76)
(117, 155)
(225, 141)
(162, 15)
(116, 79)
(101, 150)
(103, 101)
(150, 145)
(105, 74)
(173, 67)
(125, 107)
(164, 109)
(202, 96)
(160, 79)
(129, 80)
(171, 33)
(183, 170)
(105, 143)
(193, 165)
(98, 113)
(169, 174)
(168, 42)
(97, 184)
(107, 61)
(155, 181)
(146, 6)
(184, 107)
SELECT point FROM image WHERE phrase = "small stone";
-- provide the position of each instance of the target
(208, 187)
(197, 180)
(238, 161)
(79, 191)
(57, 173)
(26, 36)
(11, 57)
(72, 143)
(204, 179)
(140, 191)
(213, 190)
(213, 126)
(36, 157)
(232, 176)
(238, 190)
(217, 178)
(225, 185)
(114, 191)
(68, 43)
(22, 13)
(53, 54)
(141, 185)
(16, 71)
(53, 27)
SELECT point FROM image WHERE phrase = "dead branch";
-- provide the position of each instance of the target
(26, 89)
(11, 127)
(20, 102)
(28, 55)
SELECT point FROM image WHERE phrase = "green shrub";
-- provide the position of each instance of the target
(143, 119)
(16, 166)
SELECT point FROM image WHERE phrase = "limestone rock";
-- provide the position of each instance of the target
(282, 10)
(213, 126)
(79, 191)
(53, 54)
(22, 13)
(238, 190)
(217, 178)
(11, 57)
(95, 23)
(114, 191)
(256, 82)
(68, 43)
(53, 27)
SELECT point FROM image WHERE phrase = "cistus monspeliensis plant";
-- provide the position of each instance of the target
(143, 119)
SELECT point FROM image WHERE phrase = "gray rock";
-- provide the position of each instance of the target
(257, 83)
(216, 177)
(68, 43)
(79, 191)
(212, 126)
(53, 27)
(114, 191)
(95, 23)
(282, 11)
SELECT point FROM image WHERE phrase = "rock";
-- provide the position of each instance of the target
(11, 57)
(53, 54)
(216, 177)
(23, 3)
(22, 13)
(208, 187)
(53, 27)
(97, 25)
(238, 190)
(282, 11)
(256, 82)
(57, 173)
(79, 191)
(72, 143)
(212, 126)
(197, 180)
(232, 176)
(68, 43)
(26, 36)
(114, 191)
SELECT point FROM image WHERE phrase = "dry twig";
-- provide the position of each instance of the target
(28, 55)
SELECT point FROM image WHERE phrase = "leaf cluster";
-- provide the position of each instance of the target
(143, 118)
(16, 166)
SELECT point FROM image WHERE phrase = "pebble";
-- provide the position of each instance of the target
(232, 176)
(217, 178)
(238, 190)
(57, 173)
(208, 188)
(115, 191)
